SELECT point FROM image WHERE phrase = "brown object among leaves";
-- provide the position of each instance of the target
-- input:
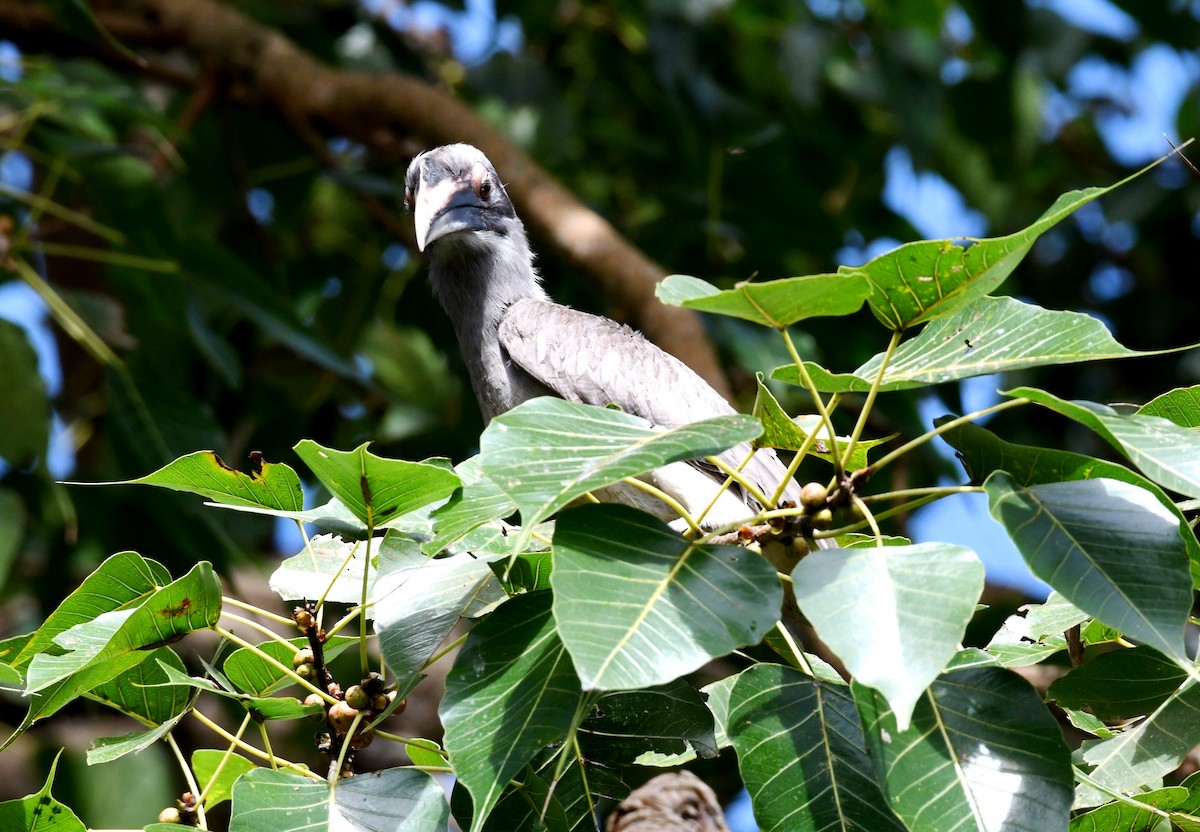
(677, 802)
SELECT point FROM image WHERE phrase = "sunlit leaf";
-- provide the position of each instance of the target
(1167, 453)
(774, 303)
(268, 485)
(1181, 406)
(328, 567)
(894, 615)
(217, 771)
(982, 753)
(375, 489)
(990, 335)
(982, 452)
(40, 811)
(1109, 547)
(782, 431)
(276, 801)
(418, 600)
(639, 605)
(930, 279)
(547, 452)
(122, 581)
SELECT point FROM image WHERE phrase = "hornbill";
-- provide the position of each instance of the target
(519, 344)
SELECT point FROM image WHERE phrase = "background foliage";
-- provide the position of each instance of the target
(249, 288)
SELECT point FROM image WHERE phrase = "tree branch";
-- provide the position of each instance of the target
(393, 114)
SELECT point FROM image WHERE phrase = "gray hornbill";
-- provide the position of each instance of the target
(519, 344)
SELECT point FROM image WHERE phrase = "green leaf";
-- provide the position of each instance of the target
(639, 605)
(480, 502)
(251, 673)
(774, 303)
(424, 752)
(268, 485)
(929, 279)
(418, 600)
(216, 772)
(107, 749)
(1109, 547)
(1181, 406)
(261, 708)
(1167, 453)
(392, 799)
(800, 752)
(894, 615)
(1119, 685)
(40, 812)
(782, 431)
(668, 720)
(547, 452)
(982, 452)
(990, 335)
(375, 489)
(1182, 802)
(1153, 747)
(136, 693)
(191, 603)
(329, 568)
(1038, 634)
(982, 753)
(25, 417)
(122, 581)
(511, 692)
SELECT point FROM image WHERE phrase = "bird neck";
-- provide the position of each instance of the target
(477, 277)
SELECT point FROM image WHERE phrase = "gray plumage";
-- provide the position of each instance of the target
(519, 344)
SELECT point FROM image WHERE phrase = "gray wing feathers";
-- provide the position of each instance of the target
(594, 360)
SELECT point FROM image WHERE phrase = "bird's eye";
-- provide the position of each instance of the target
(485, 188)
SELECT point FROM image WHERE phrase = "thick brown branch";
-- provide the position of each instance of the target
(391, 113)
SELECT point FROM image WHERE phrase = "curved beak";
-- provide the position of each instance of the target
(445, 206)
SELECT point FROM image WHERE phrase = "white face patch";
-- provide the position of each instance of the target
(430, 200)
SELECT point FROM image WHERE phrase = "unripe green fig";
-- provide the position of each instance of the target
(304, 656)
(813, 496)
(357, 697)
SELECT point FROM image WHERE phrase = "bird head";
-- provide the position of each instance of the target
(454, 190)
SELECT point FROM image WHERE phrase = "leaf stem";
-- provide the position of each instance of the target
(364, 659)
(254, 625)
(797, 654)
(735, 474)
(271, 660)
(279, 619)
(190, 777)
(797, 458)
(869, 517)
(448, 648)
(201, 796)
(725, 485)
(940, 429)
(865, 412)
(882, 515)
(937, 491)
(671, 502)
(817, 400)
(242, 745)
